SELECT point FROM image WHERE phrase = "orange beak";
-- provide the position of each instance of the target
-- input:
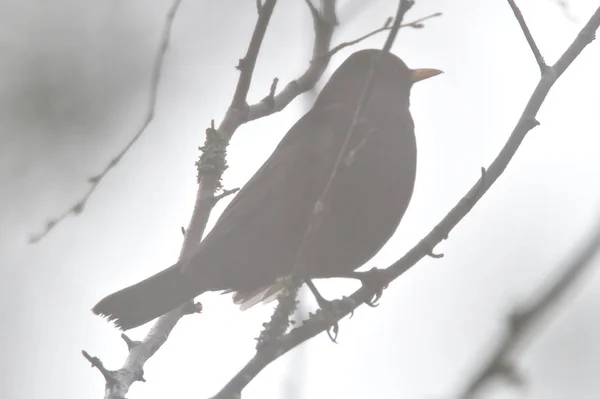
(424, 73)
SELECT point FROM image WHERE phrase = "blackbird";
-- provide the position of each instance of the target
(261, 237)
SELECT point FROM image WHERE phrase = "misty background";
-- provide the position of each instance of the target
(74, 84)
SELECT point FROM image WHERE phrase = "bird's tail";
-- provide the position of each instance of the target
(142, 302)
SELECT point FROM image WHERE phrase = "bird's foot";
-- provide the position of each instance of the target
(374, 280)
(329, 311)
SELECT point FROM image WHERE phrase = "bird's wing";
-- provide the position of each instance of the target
(306, 142)
(256, 239)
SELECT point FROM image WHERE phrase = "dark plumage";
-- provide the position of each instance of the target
(258, 237)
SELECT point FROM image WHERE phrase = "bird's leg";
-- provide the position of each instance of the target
(327, 307)
(322, 302)
(374, 280)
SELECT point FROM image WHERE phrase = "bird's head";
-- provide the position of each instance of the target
(390, 84)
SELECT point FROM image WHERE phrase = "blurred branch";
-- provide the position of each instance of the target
(500, 363)
(564, 6)
(79, 206)
(320, 323)
(212, 164)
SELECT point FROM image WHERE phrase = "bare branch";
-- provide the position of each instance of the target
(403, 7)
(210, 170)
(534, 48)
(109, 376)
(520, 324)
(246, 65)
(324, 25)
(95, 181)
(319, 323)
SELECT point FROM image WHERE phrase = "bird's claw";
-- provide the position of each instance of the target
(375, 280)
(332, 332)
(328, 309)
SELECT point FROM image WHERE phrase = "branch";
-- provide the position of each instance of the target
(566, 9)
(324, 25)
(403, 7)
(320, 323)
(534, 48)
(416, 24)
(78, 208)
(386, 26)
(212, 165)
(521, 323)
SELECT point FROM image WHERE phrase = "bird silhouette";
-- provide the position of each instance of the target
(357, 169)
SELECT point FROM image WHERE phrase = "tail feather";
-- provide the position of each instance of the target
(142, 302)
(268, 294)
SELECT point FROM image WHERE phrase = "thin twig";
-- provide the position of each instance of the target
(416, 24)
(386, 26)
(534, 48)
(520, 324)
(95, 181)
(317, 325)
(226, 193)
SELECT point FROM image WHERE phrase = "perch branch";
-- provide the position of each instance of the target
(526, 122)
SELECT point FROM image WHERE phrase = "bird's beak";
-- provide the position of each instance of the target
(424, 73)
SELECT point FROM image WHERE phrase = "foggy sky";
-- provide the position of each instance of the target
(73, 89)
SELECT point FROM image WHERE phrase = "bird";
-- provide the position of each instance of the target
(357, 168)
